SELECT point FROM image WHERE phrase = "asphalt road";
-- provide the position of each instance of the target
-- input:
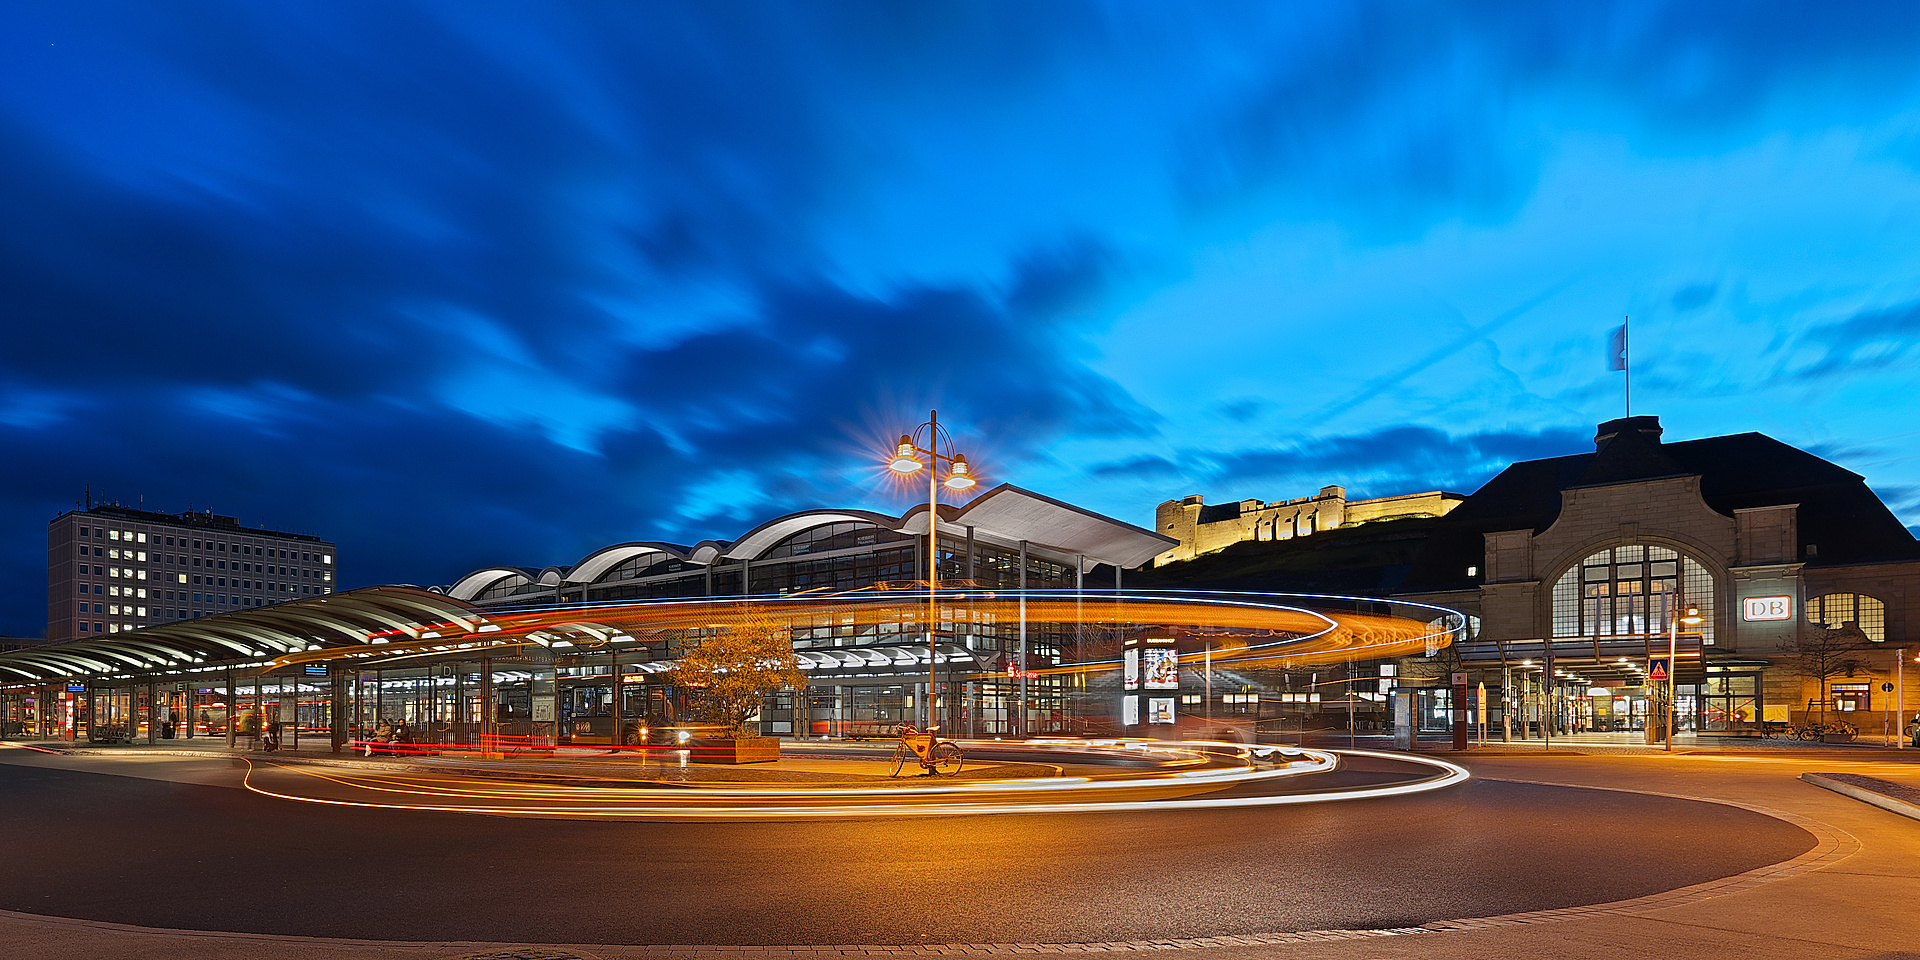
(199, 856)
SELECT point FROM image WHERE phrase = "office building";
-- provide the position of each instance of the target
(112, 569)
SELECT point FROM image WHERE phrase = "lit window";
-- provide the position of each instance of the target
(1836, 610)
(143, 538)
(183, 578)
(114, 554)
(141, 593)
(141, 556)
(1630, 591)
(114, 534)
(140, 611)
(327, 559)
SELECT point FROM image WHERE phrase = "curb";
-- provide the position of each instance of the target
(1884, 794)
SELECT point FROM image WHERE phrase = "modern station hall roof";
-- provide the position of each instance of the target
(242, 638)
(1005, 516)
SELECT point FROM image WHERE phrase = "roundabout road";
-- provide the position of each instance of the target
(182, 846)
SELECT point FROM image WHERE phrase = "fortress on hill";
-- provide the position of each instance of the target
(1203, 529)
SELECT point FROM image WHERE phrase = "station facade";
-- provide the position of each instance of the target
(1807, 586)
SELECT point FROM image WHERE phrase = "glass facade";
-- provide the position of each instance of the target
(1631, 591)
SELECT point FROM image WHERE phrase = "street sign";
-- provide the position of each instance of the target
(1886, 688)
(1658, 668)
(1460, 678)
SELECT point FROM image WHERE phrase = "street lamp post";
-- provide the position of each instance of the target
(1674, 620)
(906, 460)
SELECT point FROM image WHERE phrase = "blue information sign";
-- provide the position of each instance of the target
(316, 669)
(1658, 668)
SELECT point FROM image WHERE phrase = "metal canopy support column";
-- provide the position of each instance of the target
(153, 712)
(1079, 639)
(232, 730)
(970, 576)
(613, 681)
(1022, 728)
(336, 708)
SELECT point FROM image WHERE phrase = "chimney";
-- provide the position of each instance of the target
(1646, 426)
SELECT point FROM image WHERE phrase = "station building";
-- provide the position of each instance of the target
(586, 682)
(1790, 560)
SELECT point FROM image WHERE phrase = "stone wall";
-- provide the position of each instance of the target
(1203, 529)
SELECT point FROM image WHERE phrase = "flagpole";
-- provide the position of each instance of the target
(1626, 360)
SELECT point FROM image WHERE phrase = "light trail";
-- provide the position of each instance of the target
(1151, 790)
(1244, 630)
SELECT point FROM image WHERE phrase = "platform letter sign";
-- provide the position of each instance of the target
(1766, 608)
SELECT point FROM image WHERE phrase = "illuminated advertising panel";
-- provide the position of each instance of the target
(1130, 711)
(1132, 675)
(1159, 709)
(1161, 668)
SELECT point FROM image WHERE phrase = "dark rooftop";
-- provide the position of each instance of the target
(1838, 513)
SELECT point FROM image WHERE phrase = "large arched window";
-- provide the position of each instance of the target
(1629, 591)
(1835, 610)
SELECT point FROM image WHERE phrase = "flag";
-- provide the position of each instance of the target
(1617, 348)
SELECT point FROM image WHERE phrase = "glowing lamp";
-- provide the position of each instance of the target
(904, 461)
(959, 480)
(1692, 616)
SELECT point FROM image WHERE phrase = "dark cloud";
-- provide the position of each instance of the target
(1694, 297)
(460, 284)
(1139, 468)
(1869, 340)
(1394, 460)
(1395, 117)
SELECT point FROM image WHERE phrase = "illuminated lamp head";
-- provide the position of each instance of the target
(904, 461)
(1692, 616)
(959, 480)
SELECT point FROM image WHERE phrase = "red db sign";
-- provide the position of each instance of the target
(1766, 608)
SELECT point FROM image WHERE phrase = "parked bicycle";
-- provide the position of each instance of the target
(937, 756)
(1816, 731)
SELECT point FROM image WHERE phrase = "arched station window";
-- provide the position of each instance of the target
(1835, 610)
(1629, 591)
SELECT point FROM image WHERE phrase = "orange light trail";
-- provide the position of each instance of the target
(1241, 632)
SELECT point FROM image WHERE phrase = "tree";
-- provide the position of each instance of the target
(731, 672)
(1824, 652)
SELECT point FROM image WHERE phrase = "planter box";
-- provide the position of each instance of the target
(752, 750)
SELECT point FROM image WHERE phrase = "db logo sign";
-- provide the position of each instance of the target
(1767, 608)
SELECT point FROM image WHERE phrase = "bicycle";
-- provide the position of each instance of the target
(1816, 731)
(936, 755)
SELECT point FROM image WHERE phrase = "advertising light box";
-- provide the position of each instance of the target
(1160, 668)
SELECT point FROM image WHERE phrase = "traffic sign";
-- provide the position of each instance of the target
(1657, 668)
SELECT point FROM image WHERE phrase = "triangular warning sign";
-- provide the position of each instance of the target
(1658, 670)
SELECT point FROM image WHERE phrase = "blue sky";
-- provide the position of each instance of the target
(467, 283)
